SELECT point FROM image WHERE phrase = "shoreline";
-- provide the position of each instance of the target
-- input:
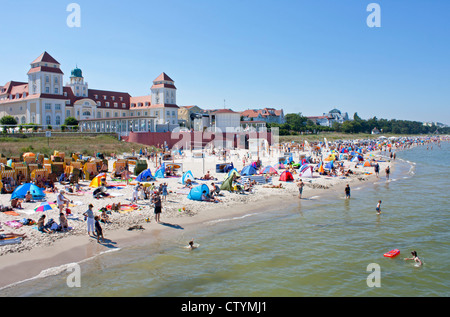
(17, 267)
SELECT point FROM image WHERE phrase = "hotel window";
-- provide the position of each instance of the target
(58, 107)
(99, 114)
(104, 97)
(121, 98)
(168, 113)
(47, 90)
(99, 104)
(56, 80)
(56, 90)
(48, 106)
(67, 113)
(116, 114)
(124, 105)
(96, 96)
(107, 104)
(113, 98)
(17, 96)
(47, 79)
(48, 120)
(173, 113)
(58, 120)
(116, 105)
(107, 114)
(124, 114)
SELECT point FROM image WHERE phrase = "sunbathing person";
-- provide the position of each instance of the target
(41, 226)
(29, 197)
(207, 176)
(16, 203)
(273, 186)
(206, 197)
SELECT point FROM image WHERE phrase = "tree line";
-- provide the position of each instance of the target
(296, 123)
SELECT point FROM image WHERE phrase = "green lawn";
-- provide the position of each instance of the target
(86, 145)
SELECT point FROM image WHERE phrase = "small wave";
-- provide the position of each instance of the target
(52, 271)
(231, 219)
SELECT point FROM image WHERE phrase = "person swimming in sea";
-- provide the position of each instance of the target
(415, 258)
(192, 245)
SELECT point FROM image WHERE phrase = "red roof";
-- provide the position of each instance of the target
(45, 57)
(163, 77)
(224, 111)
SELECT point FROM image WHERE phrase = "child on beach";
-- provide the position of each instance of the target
(347, 191)
(98, 229)
(378, 209)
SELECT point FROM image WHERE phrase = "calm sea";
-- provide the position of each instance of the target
(316, 247)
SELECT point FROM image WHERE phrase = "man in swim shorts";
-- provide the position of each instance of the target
(300, 185)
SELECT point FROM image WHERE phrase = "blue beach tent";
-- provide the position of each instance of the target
(196, 192)
(248, 170)
(187, 175)
(21, 191)
(161, 171)
(144, 175)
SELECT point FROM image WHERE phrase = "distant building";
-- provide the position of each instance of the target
(191, 117)
(225, 120)
(327, 119)
(268, 115)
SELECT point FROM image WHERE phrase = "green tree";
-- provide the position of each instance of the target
(70, 121)
(8, 120)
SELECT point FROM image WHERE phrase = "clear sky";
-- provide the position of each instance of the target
(300, 55)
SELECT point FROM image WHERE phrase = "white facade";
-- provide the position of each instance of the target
(226, 120)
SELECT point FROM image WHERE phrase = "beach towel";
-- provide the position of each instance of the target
(15, 224)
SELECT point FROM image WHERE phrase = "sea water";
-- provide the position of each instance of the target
(320, 246)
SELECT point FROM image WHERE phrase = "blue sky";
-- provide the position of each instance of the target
(302, 56)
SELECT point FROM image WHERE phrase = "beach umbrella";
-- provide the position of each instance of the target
(97, 180)
(29, 154)
(43, 207)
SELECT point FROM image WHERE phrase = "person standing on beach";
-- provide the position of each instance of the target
(98, 230)
(158, 206)
(89, 214)
(347, 191)
(377, 169)
(300, 186)
(388, 170)
(61, 200)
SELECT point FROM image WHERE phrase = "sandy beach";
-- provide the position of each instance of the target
(40, 251)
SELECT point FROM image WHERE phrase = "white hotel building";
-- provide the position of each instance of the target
(44, 101)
